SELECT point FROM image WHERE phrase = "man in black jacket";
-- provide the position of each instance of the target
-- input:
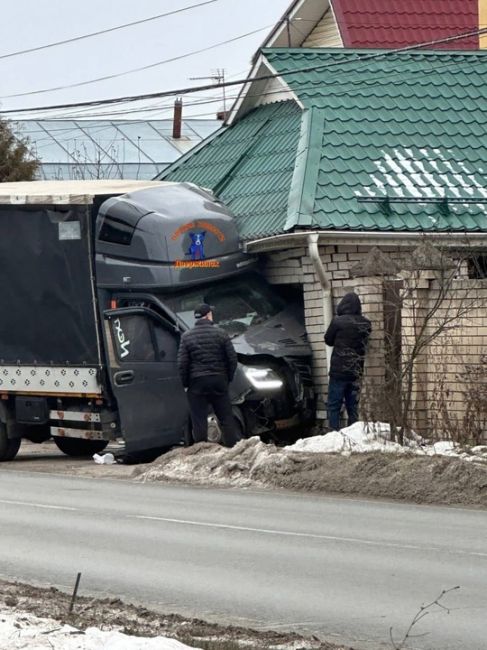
(348, 334)
(207, 362)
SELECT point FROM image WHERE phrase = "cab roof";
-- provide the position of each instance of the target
(69, 192)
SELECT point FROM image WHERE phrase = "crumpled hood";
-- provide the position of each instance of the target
(349, 304)
(282, 335)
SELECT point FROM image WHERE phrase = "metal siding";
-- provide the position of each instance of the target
(325, 34)
(483, 22)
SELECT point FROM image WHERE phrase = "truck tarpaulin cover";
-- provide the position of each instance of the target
(46, 301)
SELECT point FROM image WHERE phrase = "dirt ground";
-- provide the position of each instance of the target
(114, 614)
(417, 479)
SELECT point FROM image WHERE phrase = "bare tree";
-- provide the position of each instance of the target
(426, 301)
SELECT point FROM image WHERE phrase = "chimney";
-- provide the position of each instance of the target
(222, 116)
(177, 120)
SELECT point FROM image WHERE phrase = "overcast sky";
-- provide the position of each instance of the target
(31, 23)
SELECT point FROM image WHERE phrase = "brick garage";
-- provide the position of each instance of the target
(441, 377)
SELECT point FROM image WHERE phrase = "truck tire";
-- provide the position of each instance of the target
(79, 447)
(215, 435)
(8, 446)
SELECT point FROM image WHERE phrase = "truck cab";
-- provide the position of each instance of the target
(117, 272)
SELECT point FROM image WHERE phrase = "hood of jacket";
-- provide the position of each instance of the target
(349, 304)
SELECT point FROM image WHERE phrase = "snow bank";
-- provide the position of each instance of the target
(251, 463)
(208, 463)
(27, 631)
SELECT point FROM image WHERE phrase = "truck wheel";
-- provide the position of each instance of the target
(214, 432)
(8, 446)
(78, 447)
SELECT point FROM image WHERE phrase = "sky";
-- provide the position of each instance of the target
(29, 23)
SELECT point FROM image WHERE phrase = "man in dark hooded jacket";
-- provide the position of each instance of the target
(348, 334)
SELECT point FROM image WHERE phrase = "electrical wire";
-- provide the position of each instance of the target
(104, 31)
(148, 109)
(240, 82)
(133, 70)
(195, 89)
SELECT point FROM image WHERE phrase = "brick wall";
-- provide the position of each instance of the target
(292, 266)
(443, 392)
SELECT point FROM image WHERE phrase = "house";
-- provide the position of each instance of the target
(362, 156)
(108, 148)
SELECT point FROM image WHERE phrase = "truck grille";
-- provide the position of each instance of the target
(303, 366)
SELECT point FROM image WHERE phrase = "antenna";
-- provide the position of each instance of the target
(219, 77)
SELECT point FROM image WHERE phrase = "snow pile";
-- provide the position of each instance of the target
(27, 631)
(364, 437)
(211, 464)
(251, 463)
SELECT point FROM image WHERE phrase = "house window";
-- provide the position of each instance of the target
(477, 267)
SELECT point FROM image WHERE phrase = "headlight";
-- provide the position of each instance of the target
(263, 378)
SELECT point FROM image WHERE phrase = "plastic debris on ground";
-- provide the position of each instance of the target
(106, 459)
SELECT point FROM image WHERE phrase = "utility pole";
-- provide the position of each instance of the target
(219, 78)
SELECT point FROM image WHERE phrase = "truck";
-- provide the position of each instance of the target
(99, 281)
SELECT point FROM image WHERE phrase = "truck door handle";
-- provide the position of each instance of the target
(123, 377)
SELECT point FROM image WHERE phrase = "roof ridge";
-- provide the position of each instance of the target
(307, 166)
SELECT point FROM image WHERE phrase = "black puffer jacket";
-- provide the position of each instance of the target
(206, 350)
(348, 333)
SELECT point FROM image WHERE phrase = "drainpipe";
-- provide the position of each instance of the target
(314, 254)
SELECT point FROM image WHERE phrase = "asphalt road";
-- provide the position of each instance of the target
(345, 569)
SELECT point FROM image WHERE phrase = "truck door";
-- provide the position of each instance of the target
(152, 405)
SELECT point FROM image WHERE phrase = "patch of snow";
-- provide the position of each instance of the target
(363, 437)
(24, 631)
(360, 437)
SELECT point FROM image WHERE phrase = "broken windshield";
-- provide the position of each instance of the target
(237, 303)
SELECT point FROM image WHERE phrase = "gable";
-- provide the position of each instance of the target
(326, 32)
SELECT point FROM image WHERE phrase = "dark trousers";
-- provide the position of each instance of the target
(211, 391)
(340, 391)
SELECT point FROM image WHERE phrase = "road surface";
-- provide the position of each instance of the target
(345, 569)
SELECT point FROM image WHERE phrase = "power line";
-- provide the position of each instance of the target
(140, 69)
(148, 109)
(105, 31)
(243, 82)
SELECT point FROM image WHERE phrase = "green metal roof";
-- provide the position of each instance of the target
(383, 137)
(249, 167)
